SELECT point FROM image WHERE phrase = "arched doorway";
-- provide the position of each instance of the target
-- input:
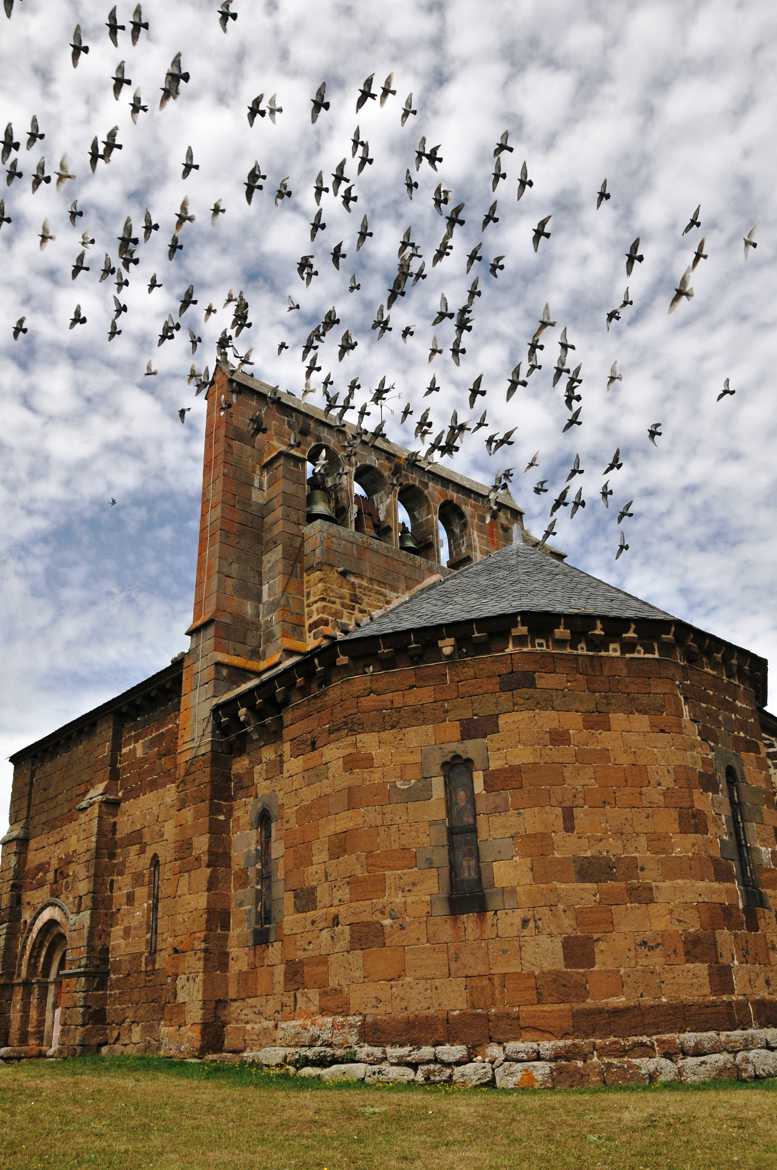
(42, 971)
(52, 966)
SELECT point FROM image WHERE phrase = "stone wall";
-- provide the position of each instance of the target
(328, 1051)
(612, 899)
(349, 575)
(90, 805)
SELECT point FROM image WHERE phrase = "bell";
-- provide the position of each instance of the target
(318, 505)
(407, 541)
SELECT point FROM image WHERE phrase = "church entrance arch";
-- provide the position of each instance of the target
(43, 965)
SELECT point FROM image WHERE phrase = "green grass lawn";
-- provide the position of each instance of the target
(152, 1114)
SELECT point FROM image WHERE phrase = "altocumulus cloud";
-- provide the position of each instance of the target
(668, 101)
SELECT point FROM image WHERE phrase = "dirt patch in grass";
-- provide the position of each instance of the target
(152, 1114)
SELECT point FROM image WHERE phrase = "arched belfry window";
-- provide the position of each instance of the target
(453, 535)
(153, 908)
(745, 872)
(263, 872)
(466, 883)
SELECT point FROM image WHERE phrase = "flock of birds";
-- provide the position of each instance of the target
(435, 441)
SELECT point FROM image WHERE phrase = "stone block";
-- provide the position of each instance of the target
(521, 1050)
(451, 1053)
(409, 1054)
(391, 1074)
(624, 1072)
(529, 1075)
(434, 1074)
(271, 1057)
(476, 1072)
(700, 1043)
(695, 1069)
(344, 1072)
(756, 1064)
(658, 1069)
(369, 1054)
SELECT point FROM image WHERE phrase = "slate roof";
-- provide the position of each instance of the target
(517, 579)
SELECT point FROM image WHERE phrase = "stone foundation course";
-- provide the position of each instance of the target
(691, 1057)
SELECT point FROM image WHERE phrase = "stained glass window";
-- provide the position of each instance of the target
(463, 853)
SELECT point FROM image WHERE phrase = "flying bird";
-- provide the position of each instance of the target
(78, 318)
(694, 221)
(217, 210)
(623, 546)
(119, 80)
(34, 134)
(502, 145)
(726, 390)
(407, 110)
(63, 173)
(44, 235)
(40, 175)
(77, 45)
(490, 217)
(150, 371)
(682, 291)
(748, 240)
(614, 375)
(9, 144)
(136, 106)
(226, 14)
(284, 191)
(137, 24)
(366, 92)
(625, 511)
(602, 195)
(633, 255)
(189, 165)
(319, 102)
(615, 463)
(254, 182)
(654, 432)
(386, 91)
(524, 181)
(79, 265)
(699, 254)
(113, 26)
(539, 232)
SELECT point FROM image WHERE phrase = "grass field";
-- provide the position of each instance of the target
(152, 1114)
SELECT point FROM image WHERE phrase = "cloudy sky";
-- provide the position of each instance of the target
(672, 103)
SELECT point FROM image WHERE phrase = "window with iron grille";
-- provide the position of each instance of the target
(153, 907)
(466, 892)
(745, 871)
(264, 871)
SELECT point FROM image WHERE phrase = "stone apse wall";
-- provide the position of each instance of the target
(613, 906)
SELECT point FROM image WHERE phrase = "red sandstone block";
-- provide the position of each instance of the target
(520, 988)
(561, 987)
(384, 963)
(468, 1027)
(366, 935)
(546, 1022)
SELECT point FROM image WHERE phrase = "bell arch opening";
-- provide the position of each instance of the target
(371, 503)
(325, 498)
(415, 519)
(453, 535)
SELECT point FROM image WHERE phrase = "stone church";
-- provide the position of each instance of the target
(420, 801)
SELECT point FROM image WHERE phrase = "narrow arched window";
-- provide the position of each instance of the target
(745, 872)
(264, 870)
(463, 854)
(153, 907)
